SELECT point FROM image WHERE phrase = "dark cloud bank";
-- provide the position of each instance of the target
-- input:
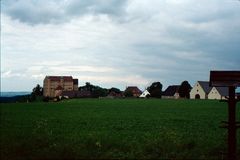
(55, 11)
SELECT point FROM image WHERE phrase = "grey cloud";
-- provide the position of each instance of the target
(44, 11)
(112, 7)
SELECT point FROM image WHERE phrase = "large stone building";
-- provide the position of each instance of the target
(53, 86)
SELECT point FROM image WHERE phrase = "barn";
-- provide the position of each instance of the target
(200, 90)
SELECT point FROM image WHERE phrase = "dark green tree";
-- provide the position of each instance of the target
(38, 90)
(128, 93)
(184, 90)
(155, 90)
(99, 92)
(116, 90)
(95, 91)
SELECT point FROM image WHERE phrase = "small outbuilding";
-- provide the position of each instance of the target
(145, 94)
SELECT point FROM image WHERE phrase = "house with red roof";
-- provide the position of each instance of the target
(134, 90)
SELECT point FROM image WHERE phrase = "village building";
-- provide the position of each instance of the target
(76, 94)
(136, 92)
(171, 92)
(53, 86)
(145, 94)
(202, 90)
(218, 93)
(113, 94)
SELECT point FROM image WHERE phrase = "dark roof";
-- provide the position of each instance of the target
(115, 94)
(223, 91)
(70, 94)
(75, 81)
(171, 90)
(205, 86)
(76, 94)
(134, 90)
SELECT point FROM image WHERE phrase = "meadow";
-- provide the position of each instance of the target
(114, 129)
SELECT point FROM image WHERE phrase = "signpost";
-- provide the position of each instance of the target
(230, 79)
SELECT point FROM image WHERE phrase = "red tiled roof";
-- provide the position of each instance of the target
(134, 90)
(58, 78)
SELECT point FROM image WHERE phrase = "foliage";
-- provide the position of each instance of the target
(155, 90)
(99, 92)
(116, 90)
(96, 91)
(128, 93)
(37, 93)
(38, 90)
(114, 129)
(184, 90)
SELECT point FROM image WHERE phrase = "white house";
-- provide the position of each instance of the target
(144, 94)
(200, 90)
(218, 93)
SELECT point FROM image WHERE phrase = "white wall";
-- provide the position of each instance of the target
(197, 89)
(214, 94)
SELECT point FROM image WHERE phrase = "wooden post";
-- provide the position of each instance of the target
(230, 79)
(232, 139)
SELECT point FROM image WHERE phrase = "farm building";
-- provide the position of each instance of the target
(200, 90)
(145, 94)
(171, 92)
(114, 94)
(76, 94)
(136, 92)
(218, 93)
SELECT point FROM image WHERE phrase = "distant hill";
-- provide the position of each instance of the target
(13, 94)
(7, 97)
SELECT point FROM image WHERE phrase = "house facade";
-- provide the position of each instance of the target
(218, 93)
(53, 86)
(200, 90)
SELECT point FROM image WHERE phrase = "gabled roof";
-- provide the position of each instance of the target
(223, 91)
(134, 90)
(171, 90)
(145, 94)
(205, 86)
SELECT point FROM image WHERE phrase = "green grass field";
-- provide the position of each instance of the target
(114, 129)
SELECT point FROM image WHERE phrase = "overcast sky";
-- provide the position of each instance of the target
(117, 42)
